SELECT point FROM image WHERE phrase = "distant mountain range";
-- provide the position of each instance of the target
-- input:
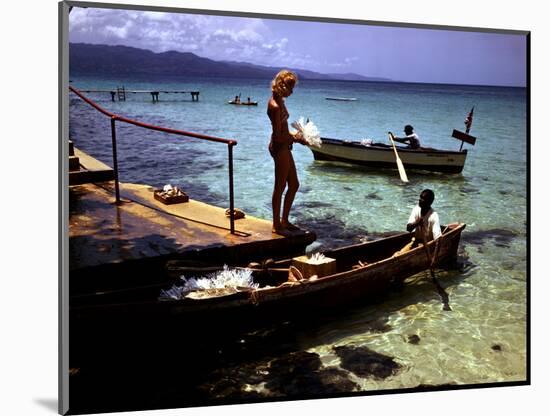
(88, 59)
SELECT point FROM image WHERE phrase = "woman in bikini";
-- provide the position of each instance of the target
(280, 148)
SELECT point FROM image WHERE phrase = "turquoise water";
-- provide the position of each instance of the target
(484, 338)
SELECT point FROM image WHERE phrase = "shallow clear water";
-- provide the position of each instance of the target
(483, 339)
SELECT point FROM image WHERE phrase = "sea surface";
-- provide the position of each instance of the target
(412, 340)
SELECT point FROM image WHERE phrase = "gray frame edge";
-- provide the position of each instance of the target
(63, 208)
(63, 100)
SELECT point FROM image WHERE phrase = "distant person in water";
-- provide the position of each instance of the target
(423, 220)
(410, 138)
(237, 99)
(280, 148)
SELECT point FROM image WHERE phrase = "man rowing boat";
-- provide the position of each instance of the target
(410, 138)
(423, 219)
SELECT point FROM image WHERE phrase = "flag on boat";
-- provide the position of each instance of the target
(468, 121)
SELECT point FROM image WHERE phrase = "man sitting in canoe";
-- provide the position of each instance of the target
(424, 221)
(411, 138)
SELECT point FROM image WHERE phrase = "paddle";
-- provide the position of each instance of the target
(444, 296)
(400, 167)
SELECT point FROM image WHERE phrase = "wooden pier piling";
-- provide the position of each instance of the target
(121, 92)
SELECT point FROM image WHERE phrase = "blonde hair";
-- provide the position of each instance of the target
(284, 82)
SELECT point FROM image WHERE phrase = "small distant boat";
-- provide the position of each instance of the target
(340, 99)
(242, 102)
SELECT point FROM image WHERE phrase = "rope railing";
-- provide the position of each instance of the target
(115, 117)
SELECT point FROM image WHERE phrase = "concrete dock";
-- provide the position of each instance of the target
(115, 245)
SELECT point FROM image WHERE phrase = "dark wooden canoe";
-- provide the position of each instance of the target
(276, 299)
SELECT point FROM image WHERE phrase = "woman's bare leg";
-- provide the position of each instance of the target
(293, 185)
(282, 166)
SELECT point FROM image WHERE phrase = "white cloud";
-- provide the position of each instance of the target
(344, 63)
(120, 32)
(215, 37)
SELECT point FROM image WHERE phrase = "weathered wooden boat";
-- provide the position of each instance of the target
(341, 98)
(379, 155)
(243, 102)
(363, 272)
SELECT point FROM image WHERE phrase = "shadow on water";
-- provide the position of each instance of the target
(121, 369)
(339, 169)
(501, 237)
(363, 362)
(331, 230)
(291, 375)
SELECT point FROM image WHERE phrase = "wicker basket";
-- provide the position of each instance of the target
(168, 200)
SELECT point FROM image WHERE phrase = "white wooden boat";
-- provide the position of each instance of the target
(379, 155)
(340, 99)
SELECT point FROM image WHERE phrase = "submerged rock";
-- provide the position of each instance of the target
(373, 195)
(314, 204)
(364, 362)
(300, 374)
(469, 190)
(295, 362)
(295, 374)
(378, 325)
(335, 380)
(413, 339)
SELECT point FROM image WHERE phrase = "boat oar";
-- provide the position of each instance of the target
(444, 296)
(400, 167)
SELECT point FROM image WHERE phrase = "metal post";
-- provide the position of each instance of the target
(231, 202)
(115, 161)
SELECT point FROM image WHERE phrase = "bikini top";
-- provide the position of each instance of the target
(284, 118)
(284, 113)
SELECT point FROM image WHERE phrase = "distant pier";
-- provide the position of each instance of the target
(120, 93)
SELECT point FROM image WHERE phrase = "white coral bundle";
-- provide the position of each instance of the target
(169, 190)
(309, 131)
(318, 258)
(226, 278)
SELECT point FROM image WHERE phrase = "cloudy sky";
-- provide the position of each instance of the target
(401, 54)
